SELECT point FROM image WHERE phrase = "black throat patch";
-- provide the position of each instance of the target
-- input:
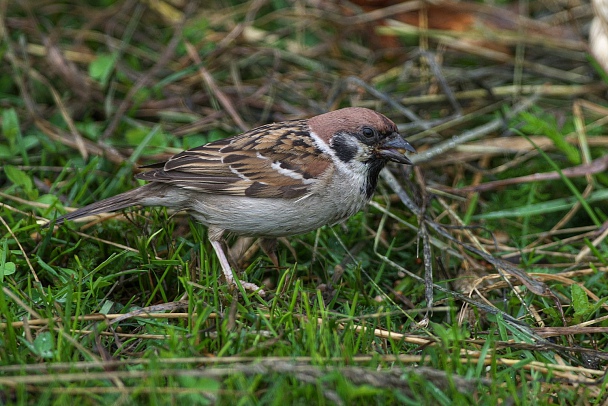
(374, 166)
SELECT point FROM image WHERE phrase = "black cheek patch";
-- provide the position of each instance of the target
(343, 150)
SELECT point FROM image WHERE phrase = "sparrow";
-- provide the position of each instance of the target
(276, 180)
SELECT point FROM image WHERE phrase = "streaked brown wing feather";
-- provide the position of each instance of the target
(268, 161)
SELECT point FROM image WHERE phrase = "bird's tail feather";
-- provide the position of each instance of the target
(131, 198)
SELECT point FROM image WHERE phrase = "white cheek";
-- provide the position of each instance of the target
(357, 164)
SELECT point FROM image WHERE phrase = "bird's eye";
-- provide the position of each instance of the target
(368, 132)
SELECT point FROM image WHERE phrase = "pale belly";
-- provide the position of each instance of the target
(269, 217)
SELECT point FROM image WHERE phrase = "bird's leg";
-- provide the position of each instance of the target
(269, 246)
(219, 251)
(240, 253)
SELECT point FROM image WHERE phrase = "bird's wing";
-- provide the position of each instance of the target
(269, 161)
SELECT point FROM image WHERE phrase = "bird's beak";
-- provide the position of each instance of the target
(394, 148)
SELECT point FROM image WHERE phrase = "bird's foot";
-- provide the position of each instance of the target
(251, 287)
(217, 246)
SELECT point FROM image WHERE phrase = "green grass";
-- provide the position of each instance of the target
(133, 310)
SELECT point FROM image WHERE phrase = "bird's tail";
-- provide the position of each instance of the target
(138, 196)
